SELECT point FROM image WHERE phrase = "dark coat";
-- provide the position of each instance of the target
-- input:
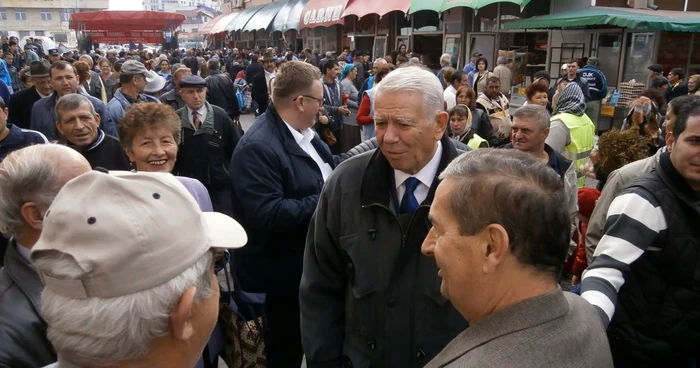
(275, 190)
(674, 91)
(19, 138)
(368, 296)
(106, 152)
(20, 107)
(22, 329)
(255, 76)
(204, 154)
(221, 92)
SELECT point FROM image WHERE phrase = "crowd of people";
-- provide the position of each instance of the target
(390, 214)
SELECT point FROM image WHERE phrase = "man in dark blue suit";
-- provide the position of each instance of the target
(277, 171)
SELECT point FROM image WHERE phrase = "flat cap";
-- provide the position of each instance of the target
(193, 81)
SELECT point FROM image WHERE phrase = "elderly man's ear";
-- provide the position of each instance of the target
(32, 215)
(182, 314)
(494, 247)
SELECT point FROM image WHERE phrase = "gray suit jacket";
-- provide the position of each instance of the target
(553, 330)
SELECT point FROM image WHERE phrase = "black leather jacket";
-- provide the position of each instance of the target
(222, 93)
(23, 342)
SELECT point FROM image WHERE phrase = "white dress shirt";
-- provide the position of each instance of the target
(426, 175)
(303, 139)
(450, 96)
(201, 113)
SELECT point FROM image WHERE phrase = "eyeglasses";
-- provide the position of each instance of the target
(320, 100)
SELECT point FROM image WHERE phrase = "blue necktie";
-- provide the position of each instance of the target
(409, 203)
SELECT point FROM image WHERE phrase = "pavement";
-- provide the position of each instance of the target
(247, 120)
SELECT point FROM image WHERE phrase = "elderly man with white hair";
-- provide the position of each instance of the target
(108, 299)
(368, 296)
(30, 178)
(445, 61)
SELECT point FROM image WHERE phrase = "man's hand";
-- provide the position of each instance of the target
(575, 280)
(344, 110)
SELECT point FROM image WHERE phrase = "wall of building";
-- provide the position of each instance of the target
(252, 3)
(562, 6)
(44, 18)
(662, 4)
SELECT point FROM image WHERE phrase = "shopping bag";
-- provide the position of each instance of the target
(242, 315)
(240, 97)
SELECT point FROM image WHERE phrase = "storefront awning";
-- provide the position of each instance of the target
(218, 24)
(657, 20)
(242, 19)
(323, 13)
(360, 8)
(263, 18)
(289, 16)
(443, 5)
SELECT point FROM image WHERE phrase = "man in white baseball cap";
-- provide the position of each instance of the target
(128, 273)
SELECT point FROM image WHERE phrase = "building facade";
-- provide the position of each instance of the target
(23, 18)
(177, 5)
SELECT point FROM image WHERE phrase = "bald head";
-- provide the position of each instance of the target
(30, 178)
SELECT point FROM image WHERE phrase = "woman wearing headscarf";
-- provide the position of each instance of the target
(350, 134)
(571, 131)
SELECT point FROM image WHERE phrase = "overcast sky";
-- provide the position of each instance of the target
(125, 5)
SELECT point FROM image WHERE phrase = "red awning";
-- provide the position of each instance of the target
(322, 13)
(126, 21)
(360, 8)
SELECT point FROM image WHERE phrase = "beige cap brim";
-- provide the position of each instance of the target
(223, 231)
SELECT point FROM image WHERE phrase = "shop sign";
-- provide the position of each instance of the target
(323, 15)
(126, 36)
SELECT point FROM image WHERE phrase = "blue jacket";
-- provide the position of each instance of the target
(276, 186)
(19, 138)
(597, 84)
(116, 107)
(5, 92)
(44, 116)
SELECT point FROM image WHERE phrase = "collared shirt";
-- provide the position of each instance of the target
(426, 175)
(450, 96)
(303, 139)
(201, 113)
(23, 251)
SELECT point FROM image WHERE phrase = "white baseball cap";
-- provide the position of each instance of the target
(129, 232)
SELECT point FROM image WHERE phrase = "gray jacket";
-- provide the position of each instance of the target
(173, 100)
(553, 330)
(23, 342)
(617, 180)
(355, 310)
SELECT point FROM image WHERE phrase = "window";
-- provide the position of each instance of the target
(64, 14)
(23, 34)
(195, 30)
(39, 33)
(3, 14)
(45, 14)
(20, 14)
(60, 37)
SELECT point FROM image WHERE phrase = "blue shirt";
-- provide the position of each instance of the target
(469, 67)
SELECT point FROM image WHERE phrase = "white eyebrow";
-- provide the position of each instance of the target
(400, 119)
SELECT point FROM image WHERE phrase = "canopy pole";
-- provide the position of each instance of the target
(686, 5)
